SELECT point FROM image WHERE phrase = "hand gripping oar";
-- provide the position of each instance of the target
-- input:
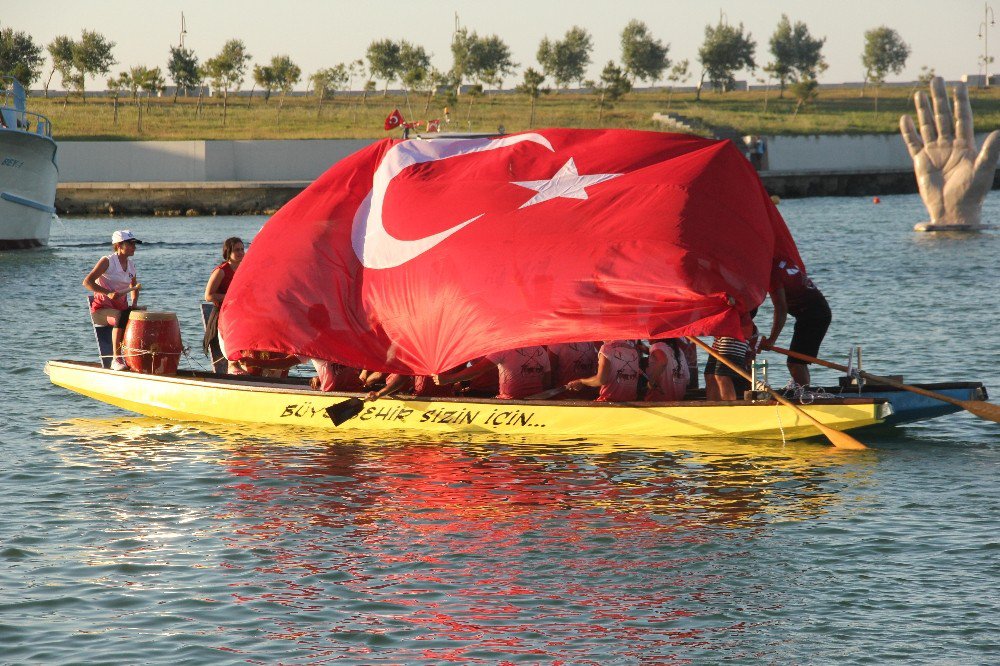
(348, 409)
(839, 439)
(981, 408)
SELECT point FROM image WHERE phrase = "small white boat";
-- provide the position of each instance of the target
(28, 172)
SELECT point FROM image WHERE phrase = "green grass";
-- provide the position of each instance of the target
(841, 111)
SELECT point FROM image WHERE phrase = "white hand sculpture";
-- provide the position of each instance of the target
(953, 180)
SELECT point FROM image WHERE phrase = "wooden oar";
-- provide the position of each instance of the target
(981, 408)
(545, 395)
(839, 439)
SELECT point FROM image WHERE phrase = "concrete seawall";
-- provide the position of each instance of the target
(263, 198)
(170, 199)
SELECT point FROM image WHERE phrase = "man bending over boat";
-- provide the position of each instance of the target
(112, 279)
(617, 373)
(523, 372)
(793, 293)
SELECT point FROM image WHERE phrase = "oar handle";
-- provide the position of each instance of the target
(836, 437)
(875, 378)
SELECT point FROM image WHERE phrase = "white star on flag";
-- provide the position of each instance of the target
(566, 184)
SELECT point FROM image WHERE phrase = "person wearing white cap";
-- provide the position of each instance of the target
(112, 279)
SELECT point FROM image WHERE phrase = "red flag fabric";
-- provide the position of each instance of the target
(434, 125)
(415, 256)
(393, 120)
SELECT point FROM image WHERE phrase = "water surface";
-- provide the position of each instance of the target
(126, 539)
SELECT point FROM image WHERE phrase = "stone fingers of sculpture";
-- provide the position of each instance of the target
(986, 166)
(963, 117)
(953, 180)
(942, 111)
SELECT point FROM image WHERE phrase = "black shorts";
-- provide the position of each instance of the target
(811, 323)
(731, 349)
(122, 319)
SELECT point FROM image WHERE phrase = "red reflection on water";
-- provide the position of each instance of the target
(504, 554)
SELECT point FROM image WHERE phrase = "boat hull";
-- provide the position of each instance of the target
(908, 407)
(28, 179)
(204, 397)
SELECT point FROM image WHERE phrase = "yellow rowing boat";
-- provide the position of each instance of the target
(198, 396)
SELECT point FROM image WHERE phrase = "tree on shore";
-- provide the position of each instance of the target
(76, 59)
(383, 61)
(61, 51)
(116, 86)
(20, 56)
(90, 55)
(286, 75)
(326, 82)
(805, 91)
(613, 84)
(226, 71)
(643, 57)
(797, 54)
(184, 71)
(152, 83)
(263, 76)
(679, 73)
(355, 68)
(462, 63)
(566, 60)
(430, 84)
(725, 51)
(531, 86)
(414, 66)
(492, 60)
(885, 52)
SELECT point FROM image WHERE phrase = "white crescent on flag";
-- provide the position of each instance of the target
(374, 246)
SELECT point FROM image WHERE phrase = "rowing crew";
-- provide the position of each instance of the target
(611, 373)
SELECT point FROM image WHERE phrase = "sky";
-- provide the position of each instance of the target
(322, 33)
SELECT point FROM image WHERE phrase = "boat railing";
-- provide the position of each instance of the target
(14, 113)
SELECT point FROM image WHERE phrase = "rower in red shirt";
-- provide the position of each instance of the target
(573, 360)
(617, 373)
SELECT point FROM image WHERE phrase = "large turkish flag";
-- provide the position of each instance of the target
(414, 256)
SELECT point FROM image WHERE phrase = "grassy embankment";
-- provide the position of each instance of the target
(840, 111)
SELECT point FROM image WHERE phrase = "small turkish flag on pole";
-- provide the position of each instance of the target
(393, 120)
(434, 125)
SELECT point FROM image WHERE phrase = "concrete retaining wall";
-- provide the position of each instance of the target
(200, 161)
(169, 199)
(862, 153)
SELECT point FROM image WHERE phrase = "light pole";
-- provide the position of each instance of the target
(984, 28)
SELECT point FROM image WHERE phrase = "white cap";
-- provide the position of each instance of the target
(122, 236)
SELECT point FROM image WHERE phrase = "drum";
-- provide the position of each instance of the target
(152, 343)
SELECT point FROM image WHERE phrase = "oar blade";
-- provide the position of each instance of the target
(841, 439)
(344, 411)
(983, 409)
